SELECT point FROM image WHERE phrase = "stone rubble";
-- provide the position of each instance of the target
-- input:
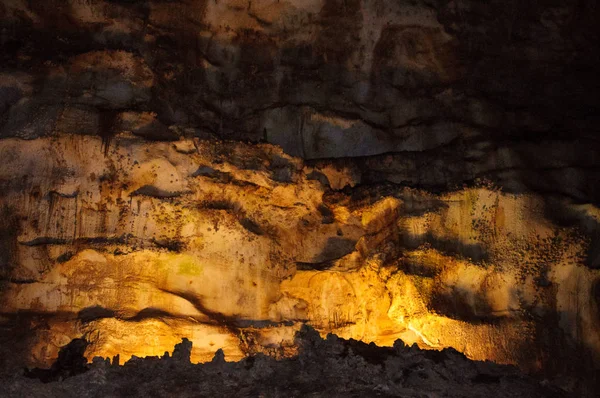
(330, 367)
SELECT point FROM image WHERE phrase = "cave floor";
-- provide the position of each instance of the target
(330, 367)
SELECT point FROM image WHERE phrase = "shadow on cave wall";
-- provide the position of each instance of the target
(454, 247)
(566, 213)
(230, 101)
(9, 230)
(553, 355)
(334, 249)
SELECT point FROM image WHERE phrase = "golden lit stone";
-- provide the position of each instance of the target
(161, 241)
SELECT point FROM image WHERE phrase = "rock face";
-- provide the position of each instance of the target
(225, 171)
(235, 245)
(449, 91)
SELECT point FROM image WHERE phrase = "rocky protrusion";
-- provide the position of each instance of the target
(333, 367)
(70, 362)
(219, 357)
(183, 351)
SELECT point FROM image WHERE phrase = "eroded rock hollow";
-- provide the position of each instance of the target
(227, 171)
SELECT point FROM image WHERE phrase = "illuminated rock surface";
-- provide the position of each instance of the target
(146, 243)
(226, 171)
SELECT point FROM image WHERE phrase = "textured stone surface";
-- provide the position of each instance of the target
(235, 245)
(326, 368)
(227, 170)
(476, 83)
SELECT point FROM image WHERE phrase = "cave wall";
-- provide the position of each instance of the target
(226, 170)
(448, 91)
(236, 245)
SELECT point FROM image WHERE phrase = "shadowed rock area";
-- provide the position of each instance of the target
(425, 93)
(332, 367)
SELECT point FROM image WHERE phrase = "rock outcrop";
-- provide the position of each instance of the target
(333, 367)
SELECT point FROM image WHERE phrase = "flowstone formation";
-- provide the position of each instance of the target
(227, 171)
(329, 368)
